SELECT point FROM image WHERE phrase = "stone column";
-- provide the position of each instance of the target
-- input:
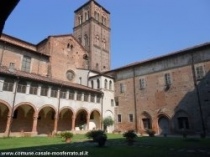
(73, 123)
(88, 120)
(55, 124)
(34, 127)
(9, 120)
(100, 123)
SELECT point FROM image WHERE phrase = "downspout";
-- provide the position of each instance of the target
(198, 95)
(134, 97)
(13, 106)
(102, 110)
(57, 116)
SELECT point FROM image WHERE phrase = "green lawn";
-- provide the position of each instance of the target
(116, 146)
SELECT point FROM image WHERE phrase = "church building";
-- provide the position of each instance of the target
(64, 82)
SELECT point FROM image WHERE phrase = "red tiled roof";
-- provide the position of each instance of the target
(20, 43)
(35, 77)
(161, 57)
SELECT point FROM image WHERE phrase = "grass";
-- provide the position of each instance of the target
(115, 146)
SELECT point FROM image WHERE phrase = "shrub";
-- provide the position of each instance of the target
(150, 132)
(130, 135)
(94, 133)
(98, 136)
(66, 134)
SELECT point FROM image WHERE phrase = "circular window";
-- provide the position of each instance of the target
(70, 75)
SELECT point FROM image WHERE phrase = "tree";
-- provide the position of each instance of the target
(108, 121)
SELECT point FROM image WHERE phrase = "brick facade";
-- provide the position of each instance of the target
(176, 103)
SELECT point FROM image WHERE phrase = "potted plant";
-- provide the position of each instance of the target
(130, 135)
(150, 132)
(67, 136)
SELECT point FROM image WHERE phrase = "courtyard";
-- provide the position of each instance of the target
(115, 146)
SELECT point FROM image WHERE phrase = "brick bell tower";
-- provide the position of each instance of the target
(92, 30)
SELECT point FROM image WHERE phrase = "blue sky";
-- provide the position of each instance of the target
(140, 29)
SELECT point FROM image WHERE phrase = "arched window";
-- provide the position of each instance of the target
(79, 20)
(86, 40)
(98, 83)
(92, 84)
(96, 15)
(86, 15)
(105, 84)
(110, 85)
(70, 47)
(97, 40)
(104, 44)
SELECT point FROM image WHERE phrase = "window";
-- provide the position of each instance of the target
(86, 15)
(131, 117)
(110, 85)
(70, 47)
(199, 71)
(63, 93)
(8, 85)
(98, 99)
(26, 63)
(54, 92)
(147, 123)
(142, 83)
(122, 88)
(86, 97)
(119, 118)
(92, 84)
(167, 79)
(11, 65)
(21, 87)
(105, 84)
(112, 102)
(92, 98)
(116, 101)
(97, 40)
(104, 44)
(79, 96)
(183, 123)
(96, 15)
(86, 40)
(103, 20)
(44, 90)
(71, 94)
(98, 83)
(33, 88)
(80, 19)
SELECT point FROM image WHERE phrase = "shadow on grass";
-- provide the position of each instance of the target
(143, 146)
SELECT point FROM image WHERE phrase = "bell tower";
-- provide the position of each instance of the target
(92, 30)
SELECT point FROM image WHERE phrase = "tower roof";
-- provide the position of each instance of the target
(87, 3)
